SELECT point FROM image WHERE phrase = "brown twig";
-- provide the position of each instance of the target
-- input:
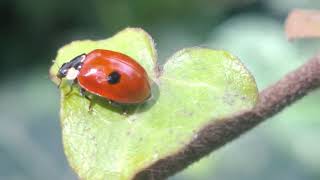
(291, 88)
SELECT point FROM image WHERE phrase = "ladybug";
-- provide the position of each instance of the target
(108, 74)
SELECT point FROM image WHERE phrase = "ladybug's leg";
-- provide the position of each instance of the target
(125, 110)
(74, 82)
(122, 107)
(83, 93)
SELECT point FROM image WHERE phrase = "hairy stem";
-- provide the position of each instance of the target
(272, 100)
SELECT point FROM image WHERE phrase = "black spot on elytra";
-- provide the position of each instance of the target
(113, 77)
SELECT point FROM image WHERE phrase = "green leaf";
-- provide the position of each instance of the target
(196, 87)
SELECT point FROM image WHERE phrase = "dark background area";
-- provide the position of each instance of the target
(32, 31)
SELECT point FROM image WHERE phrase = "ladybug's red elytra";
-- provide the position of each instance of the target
(109, 74)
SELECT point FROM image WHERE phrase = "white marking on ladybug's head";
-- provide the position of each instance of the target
(72, 74)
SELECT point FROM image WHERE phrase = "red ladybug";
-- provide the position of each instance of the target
(109, 74)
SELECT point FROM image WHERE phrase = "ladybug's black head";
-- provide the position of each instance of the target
(63, 70)
(74, 64)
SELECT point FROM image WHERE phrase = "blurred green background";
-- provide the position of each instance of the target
(286, 147)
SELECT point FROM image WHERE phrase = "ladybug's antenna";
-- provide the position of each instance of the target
(59, 84)
(56, 63)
